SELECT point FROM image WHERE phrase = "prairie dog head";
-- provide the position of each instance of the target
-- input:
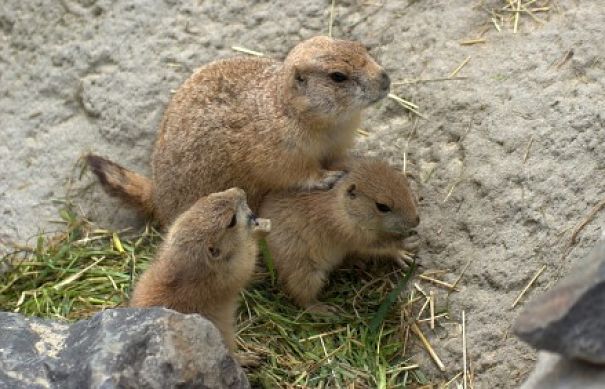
(332, 78)
(219, 230)
(378, 199)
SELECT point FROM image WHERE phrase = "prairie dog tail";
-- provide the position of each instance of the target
(130, 187)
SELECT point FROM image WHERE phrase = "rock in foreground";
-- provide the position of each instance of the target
(569, 319)
(126, 348)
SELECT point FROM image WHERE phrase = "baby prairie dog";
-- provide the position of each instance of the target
(369, 212)
(207, 258)
(255, 123)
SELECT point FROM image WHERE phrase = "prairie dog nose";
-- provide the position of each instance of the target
(385, 81)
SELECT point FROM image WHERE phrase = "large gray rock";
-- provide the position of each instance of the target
(125, 348)
(555, 372)
(570, 318)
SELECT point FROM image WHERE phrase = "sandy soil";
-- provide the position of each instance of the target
(507, 161)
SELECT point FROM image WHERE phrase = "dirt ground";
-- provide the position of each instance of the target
(508, 159)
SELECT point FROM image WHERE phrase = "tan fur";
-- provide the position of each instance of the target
(132, 188)
(313, 232)
(203, 264)
(263, 125)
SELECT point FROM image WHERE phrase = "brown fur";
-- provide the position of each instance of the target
(314, 232)
(130, 187)
(203, 263)
(262, 125)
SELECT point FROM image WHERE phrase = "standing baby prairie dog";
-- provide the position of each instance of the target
(207, 258)
(255, 123)
(369, 212)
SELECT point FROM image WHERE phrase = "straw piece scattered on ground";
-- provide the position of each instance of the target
(529, 284)
(438, 282)
(574, 235)
(408, 105)
(247, 51)
(428, 346)
(475, 41)
(464, 380)
(459, 68)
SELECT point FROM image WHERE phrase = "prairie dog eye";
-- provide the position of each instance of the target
(383, 207)
(233, 221)
(338, 77)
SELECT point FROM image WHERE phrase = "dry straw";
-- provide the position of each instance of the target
(529, 284)
(247, 51)
(428, 347)
(511, 13)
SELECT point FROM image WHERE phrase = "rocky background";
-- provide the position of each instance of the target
(508, 160)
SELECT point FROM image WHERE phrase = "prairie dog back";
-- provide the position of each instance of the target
(256, 123)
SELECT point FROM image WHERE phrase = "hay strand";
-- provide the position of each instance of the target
(464, 379)
(529, 284)
(416, 330)
(459, 68)
(247, 51)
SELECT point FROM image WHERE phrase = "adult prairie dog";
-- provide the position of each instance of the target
(255, 123)
(370, 212)
(207, 258)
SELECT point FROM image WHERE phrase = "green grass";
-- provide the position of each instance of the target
(83, 270)
(331, 351)
(76, 273)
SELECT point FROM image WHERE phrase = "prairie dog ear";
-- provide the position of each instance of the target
(352, 191)
(300, 77)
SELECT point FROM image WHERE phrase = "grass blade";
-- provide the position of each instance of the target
(268, 258)
(388, 302)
